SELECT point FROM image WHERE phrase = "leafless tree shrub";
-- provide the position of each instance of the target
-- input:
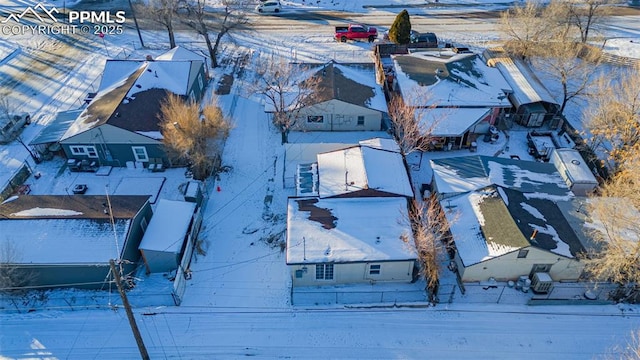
(232, 17)
(430, 235)
(188, 132)
(613, 117)
(12, 278)
(412, 127)
(287, 89)
(163, 12)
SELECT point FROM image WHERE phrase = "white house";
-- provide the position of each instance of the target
(349, 241)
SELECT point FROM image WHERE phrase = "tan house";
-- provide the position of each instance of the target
(502, 234)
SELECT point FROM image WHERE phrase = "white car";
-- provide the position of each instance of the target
(269, 6)
(11, 125)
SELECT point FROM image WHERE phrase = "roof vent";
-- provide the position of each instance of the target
(149, 58)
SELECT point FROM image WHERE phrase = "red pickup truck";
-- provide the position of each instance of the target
(355, 32)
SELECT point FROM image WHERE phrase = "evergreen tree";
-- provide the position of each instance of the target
(401, 28)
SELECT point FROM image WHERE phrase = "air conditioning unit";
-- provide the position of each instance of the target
(541, 282)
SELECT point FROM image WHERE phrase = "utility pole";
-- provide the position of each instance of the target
(135, 20)
(127, 307)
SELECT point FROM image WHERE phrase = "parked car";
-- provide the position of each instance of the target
(11, 125)
(355, 32)
(423, 40)
(269, 6)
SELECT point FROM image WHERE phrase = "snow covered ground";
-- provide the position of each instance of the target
(237, 303)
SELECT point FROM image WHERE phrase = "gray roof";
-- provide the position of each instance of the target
(53, 132)
(479, 171)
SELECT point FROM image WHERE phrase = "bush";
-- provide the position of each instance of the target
(401, 28)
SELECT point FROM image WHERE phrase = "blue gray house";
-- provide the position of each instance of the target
(121, 123)
(68, 240)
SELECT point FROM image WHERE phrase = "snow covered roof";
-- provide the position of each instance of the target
(168, 226)
(467, 173)
(494, 221)
(466, 216)
(180, 53)
(449, 121)
(348, 230)
(131, 92)
(527, 88)
(48, 229)
(449, 79)
(381, 143)
(54, 131)
(362, 168)
(64, 241)
(352, 83)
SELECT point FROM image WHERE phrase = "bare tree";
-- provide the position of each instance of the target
(6, 108)
(525, 26)
(411, 127)
(164, 12)
(188, 132)
(287, 89)
(615, 228)
(586, 14)
(613, 116)
(566, 63)
(12, 278)
(231, 18)
(430, 234)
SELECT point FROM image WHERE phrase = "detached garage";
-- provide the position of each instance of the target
(164, 241)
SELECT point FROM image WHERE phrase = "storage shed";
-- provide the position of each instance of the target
(164, 241)
(574, 171)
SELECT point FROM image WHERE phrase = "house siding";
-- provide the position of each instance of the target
(355, 273)
(117, 154)
(339, 116)
(510, 267)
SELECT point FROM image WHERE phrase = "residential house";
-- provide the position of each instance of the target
(457, 97)
(349, 241)
(533, 103)
(364, 170)
(503, 234)
(349, 223)
(347, 99)
(120, 125)
(68, 240)
(506, 220)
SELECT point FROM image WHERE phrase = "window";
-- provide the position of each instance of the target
(361, 120)
(78, 150)
(140, 153)
(523, 254)
(374, 269)
(315, 119)
(144, 224)
(89, 151)
(324, 271)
